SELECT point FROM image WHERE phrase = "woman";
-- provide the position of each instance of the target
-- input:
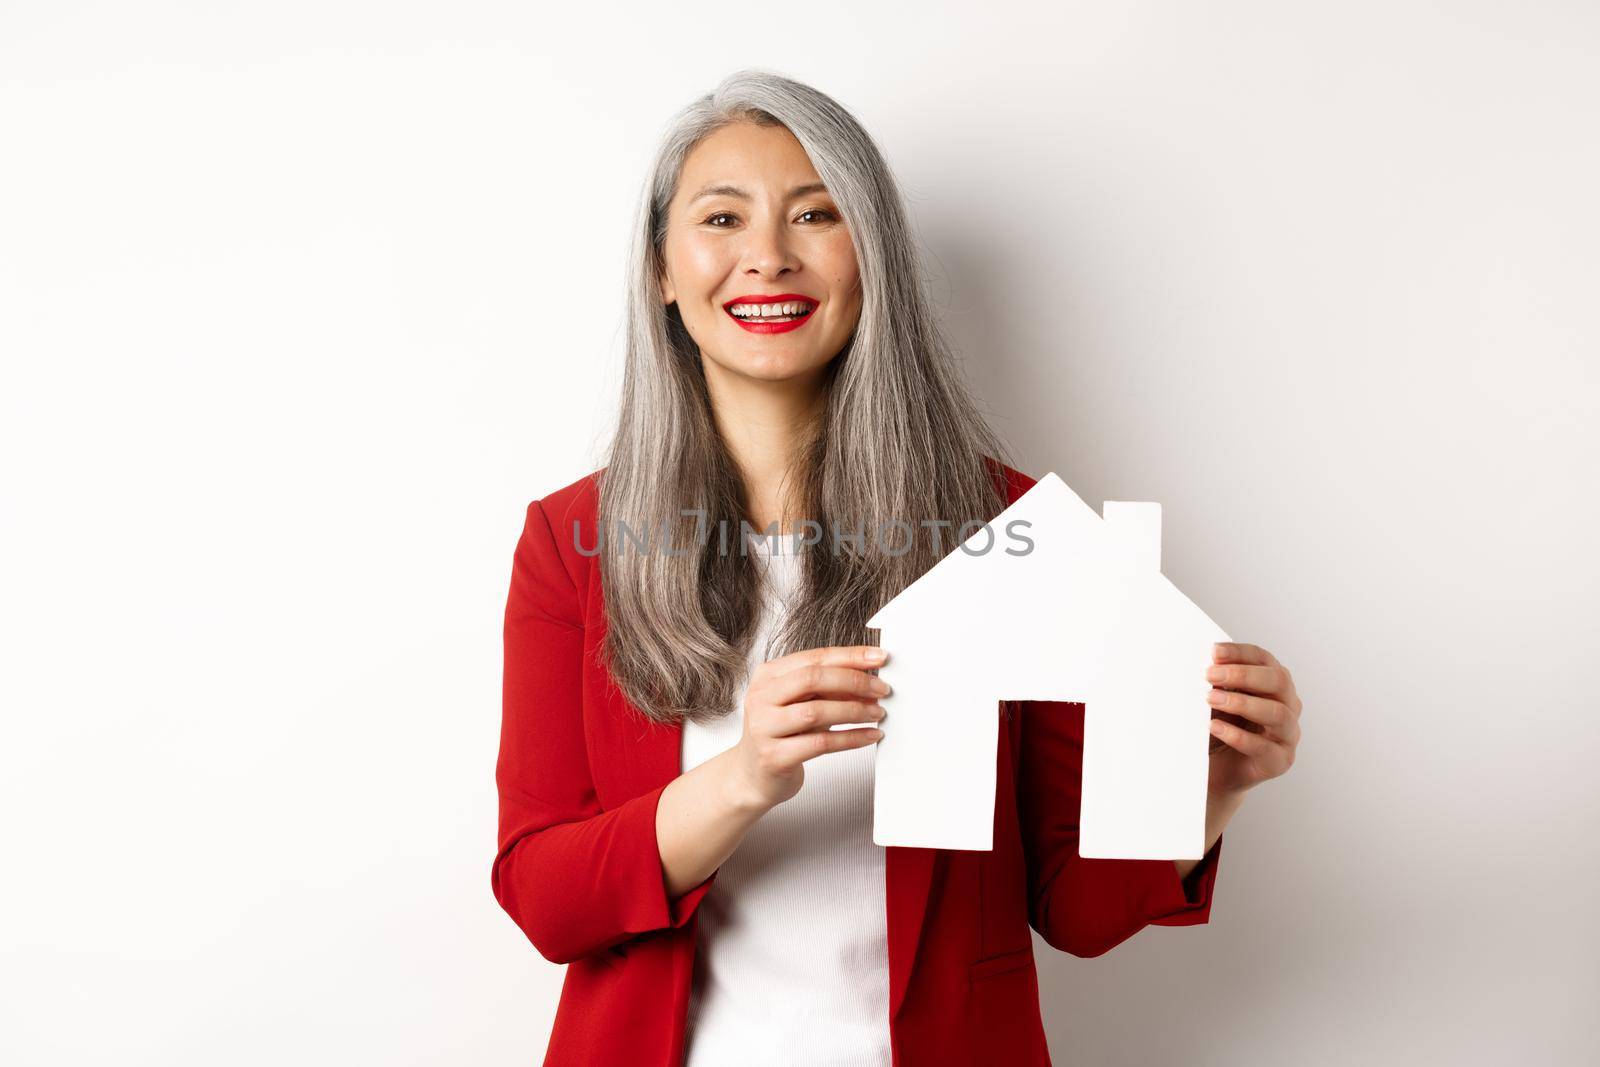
(685, 762)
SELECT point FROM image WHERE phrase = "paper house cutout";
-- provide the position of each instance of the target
(1049, 601)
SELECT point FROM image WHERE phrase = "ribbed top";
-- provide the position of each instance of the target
(791, 961)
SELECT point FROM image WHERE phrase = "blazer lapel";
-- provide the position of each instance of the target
(908, 873)
(648, 753)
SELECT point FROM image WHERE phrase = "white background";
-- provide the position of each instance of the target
(301, 304)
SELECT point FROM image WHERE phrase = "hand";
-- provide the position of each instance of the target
(787, 721)
(1255, 723)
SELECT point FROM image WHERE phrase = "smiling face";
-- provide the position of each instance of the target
(750, 221)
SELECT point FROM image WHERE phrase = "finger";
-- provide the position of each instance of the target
(1269, 713)
(864, 657)
(810, 714)
(1292, 696)
(816, 680)
(801, 747)
(1240, 739)
(1289, 734)
(1271, 681)
(1238, 652)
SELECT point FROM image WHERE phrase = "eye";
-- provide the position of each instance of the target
(827, 217)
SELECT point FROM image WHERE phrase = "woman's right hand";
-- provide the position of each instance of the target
(790, 706)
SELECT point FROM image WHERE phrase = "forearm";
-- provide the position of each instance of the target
(700, 820)
(1219, 811)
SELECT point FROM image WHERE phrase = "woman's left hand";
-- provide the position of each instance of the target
(1256, 718)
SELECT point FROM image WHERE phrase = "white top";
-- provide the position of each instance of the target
(791, 953)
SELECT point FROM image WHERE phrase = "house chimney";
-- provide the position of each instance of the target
(1137, 526)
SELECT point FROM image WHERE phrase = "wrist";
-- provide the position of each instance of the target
(739, 798)
(1220, 810)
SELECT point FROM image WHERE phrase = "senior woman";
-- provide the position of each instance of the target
(685, 762)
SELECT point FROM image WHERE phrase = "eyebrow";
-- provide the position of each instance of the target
(735, 191)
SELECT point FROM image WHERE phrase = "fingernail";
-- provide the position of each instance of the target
(881, 687)
(876, 655)
(1218, 651)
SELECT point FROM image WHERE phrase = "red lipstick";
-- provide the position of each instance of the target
(804, 317)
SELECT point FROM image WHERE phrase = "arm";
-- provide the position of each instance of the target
(701, 820)
(1089, 906)
(1220, 810)
(576, 878)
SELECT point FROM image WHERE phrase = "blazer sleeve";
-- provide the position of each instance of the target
(1089, 906)
(577, 879)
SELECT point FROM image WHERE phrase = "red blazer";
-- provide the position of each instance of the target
(579, 776)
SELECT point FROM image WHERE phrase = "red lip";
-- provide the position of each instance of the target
(779, 298)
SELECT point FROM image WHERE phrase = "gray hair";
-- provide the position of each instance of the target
(898, 437)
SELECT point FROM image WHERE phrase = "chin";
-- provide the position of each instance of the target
(773, 368)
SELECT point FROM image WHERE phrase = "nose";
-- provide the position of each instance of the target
(768, 250)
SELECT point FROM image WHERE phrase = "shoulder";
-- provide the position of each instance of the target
(576, 502)
(558, 531)
(1015, 482)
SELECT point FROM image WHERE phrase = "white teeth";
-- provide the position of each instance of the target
(768, 311)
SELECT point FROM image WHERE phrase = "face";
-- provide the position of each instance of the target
(750, 220)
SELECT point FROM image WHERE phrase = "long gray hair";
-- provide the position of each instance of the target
(898, 443)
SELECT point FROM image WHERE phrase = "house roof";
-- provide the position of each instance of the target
(1049, 517)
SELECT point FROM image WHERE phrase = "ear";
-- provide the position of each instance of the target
(669, 295)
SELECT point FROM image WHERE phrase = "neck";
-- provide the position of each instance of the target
(761, 423)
